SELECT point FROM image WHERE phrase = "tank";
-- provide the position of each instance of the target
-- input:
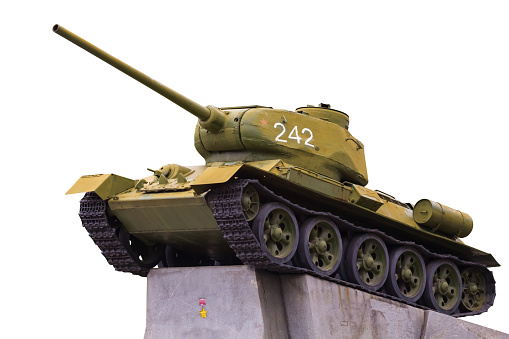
(283, 191)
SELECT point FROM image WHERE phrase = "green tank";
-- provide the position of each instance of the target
(283, 191)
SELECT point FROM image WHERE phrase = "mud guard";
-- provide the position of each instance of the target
(214, 175)
(223, 172)
(104, 185)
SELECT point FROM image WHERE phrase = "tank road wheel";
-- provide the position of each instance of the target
(320, 245)
(144, 255)
(367, 261)
(443, 286)
(250, 202)
(474, 289)
(276, 229)
(407, 273)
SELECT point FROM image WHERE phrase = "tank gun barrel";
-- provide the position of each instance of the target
(210, 117)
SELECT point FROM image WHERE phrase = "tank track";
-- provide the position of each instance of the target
(95, 220)
(225, 202)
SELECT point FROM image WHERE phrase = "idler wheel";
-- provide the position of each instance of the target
(320, 245)
(367, 261)
(474, 289)
(407, 273)
(443, 286)
(276, 229)
(144, 255)
(250, 201)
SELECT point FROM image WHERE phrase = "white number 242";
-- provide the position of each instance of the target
(294, 134)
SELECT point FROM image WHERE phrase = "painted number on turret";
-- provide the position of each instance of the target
(294, 134)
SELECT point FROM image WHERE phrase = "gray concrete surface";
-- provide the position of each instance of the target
(231, 296)
(322, 309)
(244, 303)
(438, 326)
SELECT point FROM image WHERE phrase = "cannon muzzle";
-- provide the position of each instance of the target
(211, 118)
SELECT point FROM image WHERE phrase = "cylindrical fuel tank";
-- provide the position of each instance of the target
(441, 218)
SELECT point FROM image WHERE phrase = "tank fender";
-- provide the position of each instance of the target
(104, 185)
(214, 175)
(219, 173)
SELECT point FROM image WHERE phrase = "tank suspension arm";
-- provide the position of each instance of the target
(210, 117)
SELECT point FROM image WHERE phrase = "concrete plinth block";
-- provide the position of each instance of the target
(321, 309)
(439, 325)
(239, 303)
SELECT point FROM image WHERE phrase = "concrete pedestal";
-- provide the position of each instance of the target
(239, 302)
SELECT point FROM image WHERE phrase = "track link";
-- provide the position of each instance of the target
(95, 220)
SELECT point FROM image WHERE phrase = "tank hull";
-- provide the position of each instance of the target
(179, 219)
(204, 217)
(179, 215)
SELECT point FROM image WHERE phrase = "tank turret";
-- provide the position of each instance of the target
(314, 138)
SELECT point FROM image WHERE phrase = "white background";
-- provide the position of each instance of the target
(425, 86)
